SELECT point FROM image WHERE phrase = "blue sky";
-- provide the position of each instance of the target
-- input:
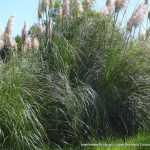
(27, 10)
(22, 9)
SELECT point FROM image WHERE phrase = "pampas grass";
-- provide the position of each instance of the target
(119, 4)
(66, 8)
(44, 6)
(139, 15)
(86, 80)
(1, 38)
(8, 38)
(25, 38)
(35, 44)
(109, 7)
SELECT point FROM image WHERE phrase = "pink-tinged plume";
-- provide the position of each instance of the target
(105, 10)
(66, 8)
(1, 38)
(35, 44)
(87, 3)
(9, 26)
(1, 44)
(119, 4)
(139, 15)
(8, 38)
(108, 8)
(25, 38)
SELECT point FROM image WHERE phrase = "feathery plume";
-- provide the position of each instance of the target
(87, 3)
(42, 28)
(40, 11)
(29, 45)
(9, 26)
(1, 32)
(1, 38)
(9, 40)
(139, 15)
(108, 8)
(66, 8)
(25, 37)
(142, 37)
(44, 5)
(119, 4)
(111, 5)
(79, 6)
(49, 28)
(35, 44)
(25, 32)
(105, 10)
(12, 43)
(1, 44)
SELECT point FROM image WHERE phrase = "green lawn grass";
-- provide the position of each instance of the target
(142, 138)
(139, 139)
